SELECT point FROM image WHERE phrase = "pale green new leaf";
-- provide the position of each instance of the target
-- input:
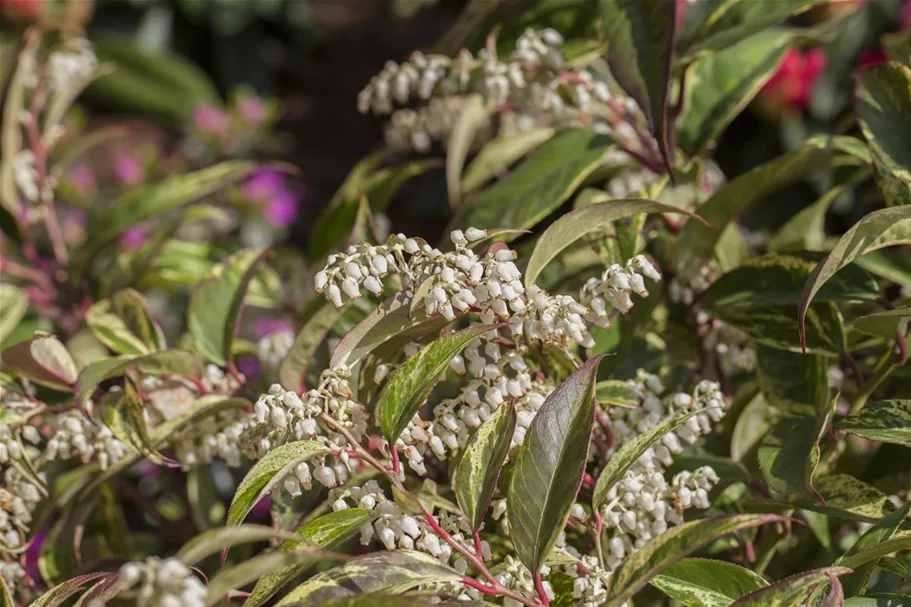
(497, 156)
(386, 572)
(44, 360)
(877, 230)
(13, 306)
(412, 383)
(617, 393)
(883, 101)
(887, 421)
(122, 413)
(638, 568)
(549, 466)
(123, 324)
(474, 115)
(253, 569)
(215, 540)
(883, 324)
(268, 472)
(797, 589)
(215, 304)
(584, 220)
(479, 468)
(706, 583)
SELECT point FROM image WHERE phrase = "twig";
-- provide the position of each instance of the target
(539, 586)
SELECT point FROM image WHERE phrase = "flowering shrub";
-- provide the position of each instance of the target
(597, 389)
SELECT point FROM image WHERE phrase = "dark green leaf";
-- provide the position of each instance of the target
(549, 466)
(584, 220)
(887, 421)
(795, 590)
(386, 572)
(883, 100)
(316, 327)
(543, 182)
(774, 326)
(641, 566)
(479, 468)
(706, 583)
(879, 229)
(880, 599)
(789, 380)
(778, 279)
(216, 302)
(412, 383)
(883, 324)
(722, 84)
(497, 156)
(857, 582)
(806, 229)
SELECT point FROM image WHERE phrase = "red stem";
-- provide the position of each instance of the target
(482, 588)
(539, 586)
(477, 545)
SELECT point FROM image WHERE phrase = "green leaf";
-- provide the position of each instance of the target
(173, 360)
(543, 182)
(479, 468)
(214, 541)
(879, 229)
(778, 279)
(378, 186)
(472, 118)
(412, 383)
(386, 572)
(327, 531)
(13, 306)
(797, 590)
(806, 229)
(844, 496)
(722, 84)
(857, 582)
(145, 202)
(122, 413)
(697, 241)
(789, 454)
(316, 327)
(887, 421)
(616, 392)
(6, 599)
(268, 472)
(253, 569)
(44, 360)
(577, 223)
(638, 568)
(883, 324)
(883, 100)
(880, 599)
(216, 302)
(752, 424)
(61, 592)
(499, 154)
(628, 454)
(641, 35)
(789, 380)
(898, 543)
(774, 326)
(123, 324)
(706, 582)
(549, 466)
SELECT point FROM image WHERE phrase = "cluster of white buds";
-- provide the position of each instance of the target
(630, 181)
(77, 436)
(732, 347)
(18, 499)
(17, 580)
(643, 504)
(11, 436)
(215, 436)
(162, 583)
(418, 128)
(614, 288)
(217, 381)
(26, 175)
(590, 584)
(691, 281)
(271, 351)
(514, 575)
(415, 441)
(72, 66)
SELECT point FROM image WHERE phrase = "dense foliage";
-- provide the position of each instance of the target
(599, 388)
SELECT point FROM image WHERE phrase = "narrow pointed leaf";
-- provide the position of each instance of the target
(498, 155)
(897, 543)
(327, 532)
(641, 35)
(6, 599)
(478, 470)
(883, 102)
(387, 572)
(215, 540)
(122, 323)
(269, 471)
(472, 118)
(706, 583)
(216, 303)
(253, 569)
(627, 455)
(883, 324)
(638, 568)
(412, 383)
(576, 224)
(887, 421)
(549, 466)
(316, 327)
(877, 230)
(856, 583)
(61, 592)
(794, 590)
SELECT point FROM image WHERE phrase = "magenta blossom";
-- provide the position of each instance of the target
(267, 325)
(33, 553)
(282, 211)
(210, 120)
(129, 170)
(133, 238)
(790, 86)
(82, 179)
(269, 189)
(250, 367)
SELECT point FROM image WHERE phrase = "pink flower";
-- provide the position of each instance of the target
(267, 325)
(790, 87)
(252, 110)
(269, 189)
(210, 120)
(82, 180)
(264, 185)
(133, 238)
(281, 212)
(129, 170)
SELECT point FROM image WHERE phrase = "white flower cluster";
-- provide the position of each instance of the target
(162, 583)
(630, 181)
(215, 436)
(691, 281)
(72, 66)
(15, 577)
(10, 440)
(732, 347)
(18, 499)
(26, 175)
(643, 503)
(590, 586)
(516, 576)
(76, 436)
(418, 128)
(271, 351)
(614, 288)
